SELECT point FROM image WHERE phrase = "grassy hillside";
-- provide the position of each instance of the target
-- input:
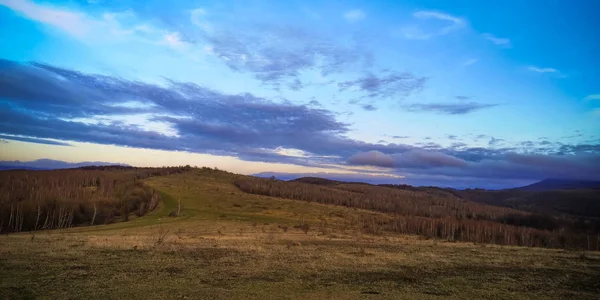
(232, 245)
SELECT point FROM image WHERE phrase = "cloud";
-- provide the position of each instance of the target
(33, 140)
(415, 158)
(87, 28)
(277, 54)
(46, 103)
(174, 40)
(354, 15)
(592, 97)
(400, 136)
(494, 141)
(496, 40)
(542, 70)
(550, 71)
(369, 107)
(425, 29)
(372, 158)
(198, 18)
(470, 61)
(74, 23)
(386, 86)
(502, 166)
(450, 108)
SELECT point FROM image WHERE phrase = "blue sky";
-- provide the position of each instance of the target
(454, 93)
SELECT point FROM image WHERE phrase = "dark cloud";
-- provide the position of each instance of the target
(385, 86)
(204, 120)
(457, 145)
(314, 102)
(451, 137)
(41, 102)
(372, 158)
(416, 158)
(527, 144)
(32, 140)
(369, 107)
(506, 166)
(449, 108)
(494, 141)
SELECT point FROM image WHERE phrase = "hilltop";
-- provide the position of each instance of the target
(560, 184)
(229, 238)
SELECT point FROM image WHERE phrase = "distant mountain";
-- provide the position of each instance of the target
(50, 164)
(560, 184)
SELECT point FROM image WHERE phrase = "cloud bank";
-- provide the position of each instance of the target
(42, 103)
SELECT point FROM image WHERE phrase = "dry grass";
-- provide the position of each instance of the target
(246, 254)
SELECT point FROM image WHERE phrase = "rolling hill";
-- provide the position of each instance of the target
(240, 237)
(560, 184)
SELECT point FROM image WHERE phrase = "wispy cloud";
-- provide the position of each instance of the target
(369, 107)
(277, 55)
(109, 26)
(33, 140)
(550, 71)
(74, 23)
(385, 86)
(494, 141)
(174, 40)
(542, 70)
(592, 97)
(470, 61)
(354, 15)
(450, 108)
(496, 40)
(424, 31)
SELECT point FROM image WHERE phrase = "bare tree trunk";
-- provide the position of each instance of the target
(178, 206)
(94, 216)
(22, 219)
(589, 246)
(11, 218)
(45, 226)
(37, 219)
(71, 217)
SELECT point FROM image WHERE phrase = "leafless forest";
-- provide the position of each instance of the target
(37, 200)
(435, 213)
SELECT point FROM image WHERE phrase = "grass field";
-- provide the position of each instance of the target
(232, 245)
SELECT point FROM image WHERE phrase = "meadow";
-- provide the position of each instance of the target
(229, 244)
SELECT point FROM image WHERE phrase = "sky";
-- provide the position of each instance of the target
(451, 93)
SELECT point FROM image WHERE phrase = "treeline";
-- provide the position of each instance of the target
(38, 200)
(383, 199)
(437, 214)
